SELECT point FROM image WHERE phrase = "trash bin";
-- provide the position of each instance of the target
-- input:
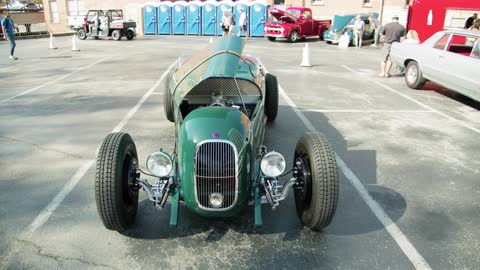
(150, 20)
(246, 9)
(179, 18)
(209, 18)
(258, 18)
(224, 6)
(165, 18)
(194, 17)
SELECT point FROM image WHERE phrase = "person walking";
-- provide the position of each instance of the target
(470, 20)
(7, 29)
(233, 22)
(358, 30)
(393, 32)
(225, 23)
(375, 23)
(242, 23)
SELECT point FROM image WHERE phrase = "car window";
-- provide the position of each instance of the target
(307, 14)
(116, 15)
(462, 45)
(294, 12)
(442, 43)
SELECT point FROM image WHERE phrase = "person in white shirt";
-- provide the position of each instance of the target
(358, 30)
(242, 23)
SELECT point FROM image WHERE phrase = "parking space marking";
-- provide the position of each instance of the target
(417, 102)
(407, 247)
(51, 82)
(47, 212)
(370, 111)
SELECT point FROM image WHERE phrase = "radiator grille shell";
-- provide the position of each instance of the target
(216, 171)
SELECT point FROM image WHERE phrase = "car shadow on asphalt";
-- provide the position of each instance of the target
(353, 216)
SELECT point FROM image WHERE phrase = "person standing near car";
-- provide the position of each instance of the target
(7, 29)
(375, 23)
(358, 30)
(242, 23)
(470, 20)
(393, 32)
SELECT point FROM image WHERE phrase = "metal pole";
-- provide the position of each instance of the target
(382, 4)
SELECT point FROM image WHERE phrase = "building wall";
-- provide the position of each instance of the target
(322, 9)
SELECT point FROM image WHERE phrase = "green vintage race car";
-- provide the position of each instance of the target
(220, 102)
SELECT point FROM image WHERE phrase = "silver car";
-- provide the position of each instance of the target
(449, 58)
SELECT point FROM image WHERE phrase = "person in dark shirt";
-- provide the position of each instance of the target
(469, 21)
(393, 32)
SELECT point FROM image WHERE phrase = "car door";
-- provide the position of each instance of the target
(429, 58)
(306, 22)
(460, 68)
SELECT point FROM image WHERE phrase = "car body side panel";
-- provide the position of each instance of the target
(214, 123)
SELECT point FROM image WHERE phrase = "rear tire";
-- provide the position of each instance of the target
(81, 34)
(272, 38)
(130, 34)
(116, 35)
(117, 201)
(316, 191)
(271, 97)
(413, 76)
(167, 97)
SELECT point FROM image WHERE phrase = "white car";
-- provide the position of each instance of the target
(449, 58)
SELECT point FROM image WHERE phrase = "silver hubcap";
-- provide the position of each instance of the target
(294, 36)
(412, 74)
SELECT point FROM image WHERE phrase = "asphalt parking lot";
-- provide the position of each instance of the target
(410, 172)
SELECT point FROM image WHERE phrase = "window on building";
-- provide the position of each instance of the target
(442, 43)
(54, 17)
(76, 7)
(367, 3)
(279, 2)
(318, 2)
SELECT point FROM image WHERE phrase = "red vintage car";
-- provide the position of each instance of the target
(294, 23)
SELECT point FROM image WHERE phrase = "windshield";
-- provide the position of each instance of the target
(294, 12)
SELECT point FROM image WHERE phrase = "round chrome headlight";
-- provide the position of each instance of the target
(216, 200)
(273, 164)
(159, 164)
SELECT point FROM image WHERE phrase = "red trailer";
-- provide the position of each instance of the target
(430, 16)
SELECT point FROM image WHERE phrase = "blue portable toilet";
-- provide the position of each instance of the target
(223, 6)
(165, 18)
(258, 18)
(179, 16)
(194, 18)
(246, 8)
(209, 18)
(150, 20)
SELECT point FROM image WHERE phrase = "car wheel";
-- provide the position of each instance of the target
(116, 197)
(293, 36)
(413, 76)
(116, 35)
(271, 97)
(167, 97)
(328, 42)
(272, 38)
(81, 34)
(316, 190)
(130, 34)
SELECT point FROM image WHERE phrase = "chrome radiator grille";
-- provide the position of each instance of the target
(216, 172)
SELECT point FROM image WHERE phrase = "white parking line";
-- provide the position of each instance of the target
(408, 249)
(54, 81)
(369, 111)
(47, 212)
(417, 102)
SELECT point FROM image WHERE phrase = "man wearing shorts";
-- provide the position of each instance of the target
(393, 32)
(242, 23)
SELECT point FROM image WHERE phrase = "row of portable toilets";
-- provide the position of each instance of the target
(200, 18)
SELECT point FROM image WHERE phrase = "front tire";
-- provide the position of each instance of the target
(293, 37)
(81, 34)
(167, 97)
(117, 200)
(271, 97)
(413, 76)
(316, 191)
(272, 38)
(116, 35)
